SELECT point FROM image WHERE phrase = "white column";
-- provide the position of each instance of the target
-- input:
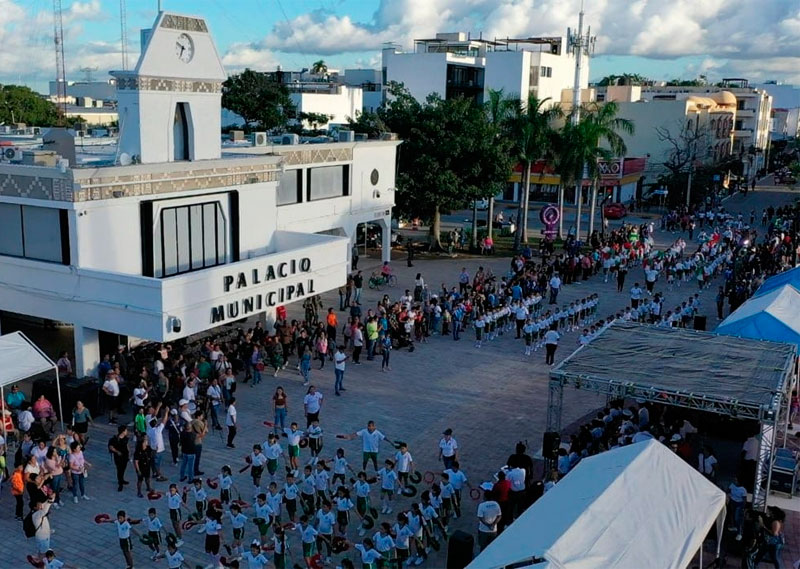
(87, 351)
(386, 239)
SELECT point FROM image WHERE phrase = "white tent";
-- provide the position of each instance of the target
(636, 506)
(773, 315)
(20, 359)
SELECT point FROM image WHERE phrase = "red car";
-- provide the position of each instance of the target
(614, 211)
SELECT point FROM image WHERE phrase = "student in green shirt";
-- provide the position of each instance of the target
(372, 337)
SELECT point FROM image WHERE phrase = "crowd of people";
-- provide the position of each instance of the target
(181, 394)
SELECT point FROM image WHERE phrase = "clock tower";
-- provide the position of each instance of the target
(170, 104)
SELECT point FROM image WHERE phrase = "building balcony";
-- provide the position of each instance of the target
(298, 265)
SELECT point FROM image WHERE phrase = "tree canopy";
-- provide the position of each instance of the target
(450, 155)
(23, 105)
(624, 79)
(259, 99)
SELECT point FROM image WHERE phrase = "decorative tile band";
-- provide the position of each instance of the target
(314, 155)
(36, 187)
(184, 23)
(145, 83)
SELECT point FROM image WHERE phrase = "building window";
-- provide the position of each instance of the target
(328, 182)
(546, 71)
(290, 187)
(189, 238)
(37, 233)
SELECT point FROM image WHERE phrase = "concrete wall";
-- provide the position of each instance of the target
(339, 106)
(421, 73)
(509, 71)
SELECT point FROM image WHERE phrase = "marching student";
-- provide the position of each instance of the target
(527, 333)
(238, 520)
(257, 462)
(275, 501)
(213, 531)
(340, 467)
(293, 436)
(480, 324)
(263, 516)
(416, 523)
(308, 538)
(290, 492)
(325, 519)
(343, 506)
(280, 547)
(457, 480)
(384, 544)
(255, 559)
(154, 526)
(314, 440)
(174, 504)
(388, 478)
(308, 491)
(405, 465)
(273, 451)
(200, 500)
(123, 524)
(321, 479)
(362, 488)
(369, 555)
(174, 557)
(225, 480)
(446, 495)
(402, 539)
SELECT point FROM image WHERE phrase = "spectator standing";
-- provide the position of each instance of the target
(489, 515)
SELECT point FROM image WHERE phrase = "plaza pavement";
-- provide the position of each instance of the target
(491, 398)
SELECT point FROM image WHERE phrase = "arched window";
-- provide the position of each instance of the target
(180, 132)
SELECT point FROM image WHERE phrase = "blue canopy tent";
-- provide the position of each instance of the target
(774, 316)
(790, 277)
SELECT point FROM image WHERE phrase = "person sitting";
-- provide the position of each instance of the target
(15, 399)
(44, 413)
(386, 269)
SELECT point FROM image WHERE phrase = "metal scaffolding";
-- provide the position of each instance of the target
(592, 368)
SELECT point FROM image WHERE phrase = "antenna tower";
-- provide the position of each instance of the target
(581, 45)
(58, 40)
(123, 24)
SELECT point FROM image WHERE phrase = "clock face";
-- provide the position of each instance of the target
(184, 48)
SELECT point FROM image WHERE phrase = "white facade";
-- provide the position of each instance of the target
(338, 102)
(540, 66)
(171, 248)
(371, 83)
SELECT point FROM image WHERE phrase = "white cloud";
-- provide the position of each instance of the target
(241, 55)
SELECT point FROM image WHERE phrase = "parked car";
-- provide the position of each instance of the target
(614, 211)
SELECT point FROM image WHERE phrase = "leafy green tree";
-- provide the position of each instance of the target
(624, 79)
(367, 122)
(529, 130)
(449, 156)
(497, 109)
(319, 68)
(580, 148)
(20, 104)
(258, 99)
(314, 120)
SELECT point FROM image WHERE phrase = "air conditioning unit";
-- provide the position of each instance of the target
(290, 139)
(389, 136)
(260, 139)
(362, 137)
(347, 136)
(12, 154)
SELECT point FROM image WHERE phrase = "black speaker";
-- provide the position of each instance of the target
(460, 548)
(700, 322)
(551, 441)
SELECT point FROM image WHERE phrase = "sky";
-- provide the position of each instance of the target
(655, 38)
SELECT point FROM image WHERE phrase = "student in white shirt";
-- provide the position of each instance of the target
(371, 439)
(230, 422)
(405, 465)
(457, 480)
(254, 558)
(388, 478)
(123, 524)
(551, 338)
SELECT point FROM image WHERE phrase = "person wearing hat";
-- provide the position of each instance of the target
(489, 516)
(448, 449)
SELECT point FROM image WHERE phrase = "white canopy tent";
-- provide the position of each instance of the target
(20, 359)
(636, 506)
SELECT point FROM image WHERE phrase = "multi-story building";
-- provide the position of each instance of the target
(371, 83)
(702, 125)
(170, 236)
(454, 64)
(753, 116)
(786, 108)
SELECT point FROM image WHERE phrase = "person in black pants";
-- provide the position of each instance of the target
(174, 431)
(118, 447)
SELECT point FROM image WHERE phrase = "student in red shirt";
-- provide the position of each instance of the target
(500, 493)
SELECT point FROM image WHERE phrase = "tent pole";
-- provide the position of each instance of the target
(60, 408)
(3, 418)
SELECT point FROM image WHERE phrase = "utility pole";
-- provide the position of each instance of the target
(58, 41)
(123, 37)
(580, 45)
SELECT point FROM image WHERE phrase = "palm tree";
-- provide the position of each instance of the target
(497, 110)
(582, 146)
(528, 126)
(319, 68)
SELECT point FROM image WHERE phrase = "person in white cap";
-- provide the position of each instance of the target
(186, 416)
